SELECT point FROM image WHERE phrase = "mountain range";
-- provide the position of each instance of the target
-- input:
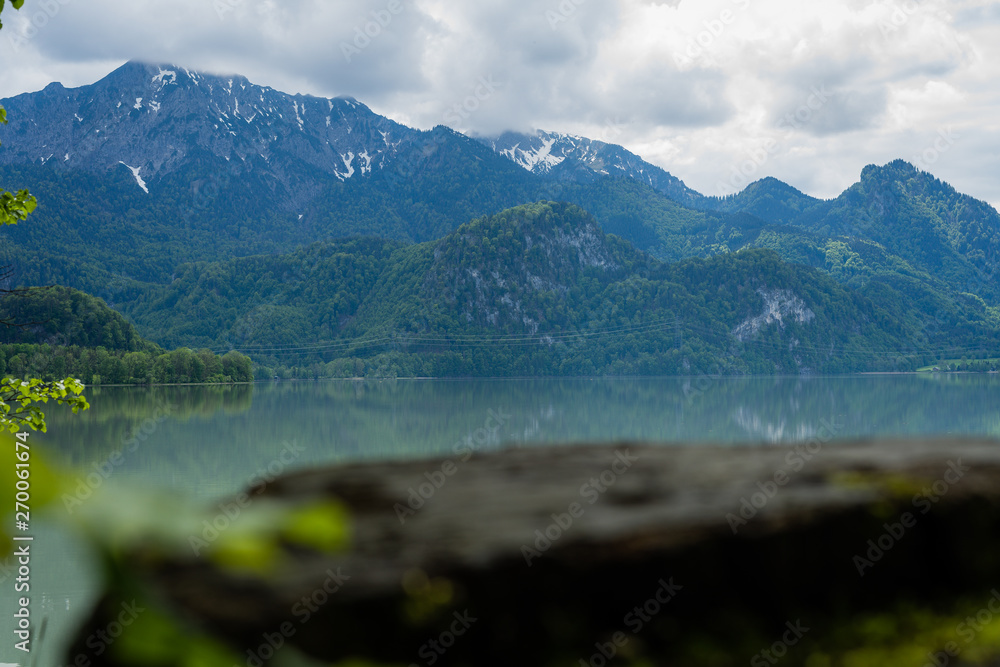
(157, 177)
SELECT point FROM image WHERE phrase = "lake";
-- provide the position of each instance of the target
(209, 442)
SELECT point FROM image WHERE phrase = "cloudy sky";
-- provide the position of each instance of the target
(718, 92)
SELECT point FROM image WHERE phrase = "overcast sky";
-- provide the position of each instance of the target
(808, 92)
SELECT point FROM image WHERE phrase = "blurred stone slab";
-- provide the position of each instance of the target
(550, 548)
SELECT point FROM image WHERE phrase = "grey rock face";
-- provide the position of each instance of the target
(155, 119)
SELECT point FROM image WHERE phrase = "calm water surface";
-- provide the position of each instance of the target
(208, 442)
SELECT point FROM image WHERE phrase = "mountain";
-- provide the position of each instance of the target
(156, 174)
(909, 219)
(155, 166)
(919, 218)
(769, 199)
(156, 120)
(905, 217)
(565, 156)
(538, 289)
(907, 213)
(193, 167)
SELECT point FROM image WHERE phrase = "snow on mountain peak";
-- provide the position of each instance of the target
(534, 158)
(161, 78)
(160, 115)
(540, 152)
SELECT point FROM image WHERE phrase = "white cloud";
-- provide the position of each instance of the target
(696, 86)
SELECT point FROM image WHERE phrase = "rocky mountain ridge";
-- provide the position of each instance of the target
(154, 119)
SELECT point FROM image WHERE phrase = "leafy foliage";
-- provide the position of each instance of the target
(64, 331)
(19, 401)
(102, 366)
(64, 316)
(16, 4)
(14, 207)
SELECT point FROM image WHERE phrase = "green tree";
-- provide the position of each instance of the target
(20, 399)
(14, 207)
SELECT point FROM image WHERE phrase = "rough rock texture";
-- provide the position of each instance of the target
(778, 305)
(880, 549)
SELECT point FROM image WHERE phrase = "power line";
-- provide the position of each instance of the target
(674, 324)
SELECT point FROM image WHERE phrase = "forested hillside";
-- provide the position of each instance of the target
(541, 290)
(52, 333)
(912, 220)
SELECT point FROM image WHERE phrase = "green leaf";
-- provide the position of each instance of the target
(246, 553)
(324, 526)
(15, 207)
(25, 394)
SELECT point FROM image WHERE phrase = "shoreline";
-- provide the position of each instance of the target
(491, 378)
